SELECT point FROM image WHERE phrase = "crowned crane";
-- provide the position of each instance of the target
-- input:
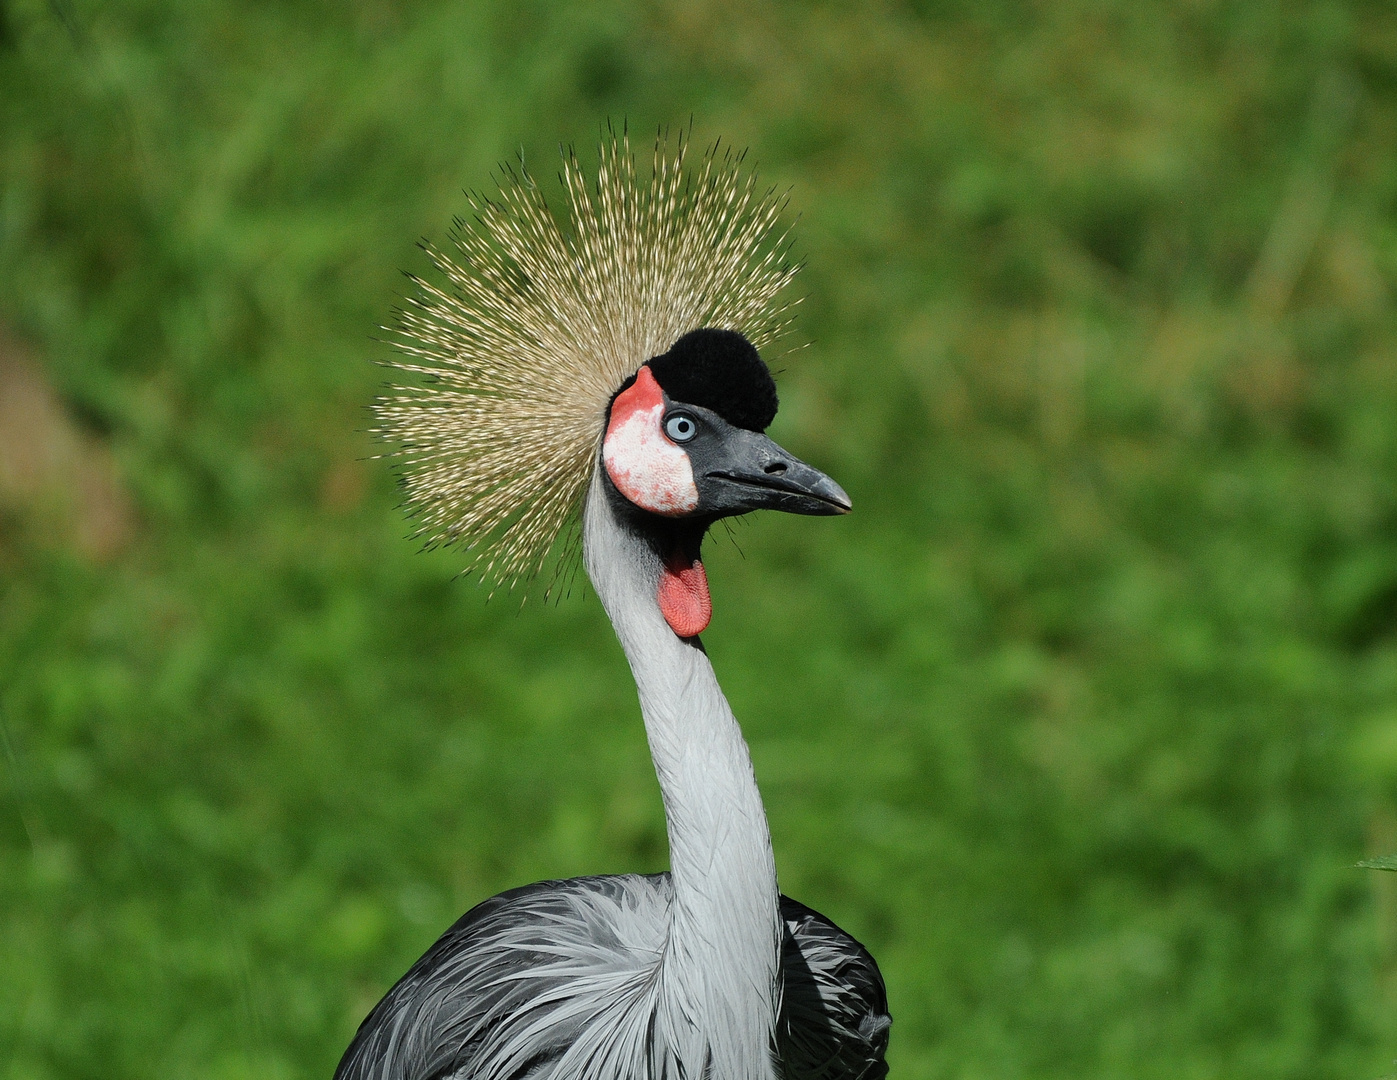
(612, 366)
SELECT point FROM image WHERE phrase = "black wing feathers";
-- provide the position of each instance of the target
(834, 1017)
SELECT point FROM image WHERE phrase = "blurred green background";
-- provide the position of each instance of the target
(1079, 721)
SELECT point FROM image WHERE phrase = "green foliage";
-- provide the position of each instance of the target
(1080, 721)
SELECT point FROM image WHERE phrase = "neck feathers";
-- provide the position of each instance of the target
(718, 977)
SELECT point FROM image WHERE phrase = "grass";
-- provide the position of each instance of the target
(1080, 721)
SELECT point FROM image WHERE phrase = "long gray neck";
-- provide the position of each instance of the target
(719, 973)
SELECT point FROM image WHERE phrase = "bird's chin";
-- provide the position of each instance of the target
(681, 591)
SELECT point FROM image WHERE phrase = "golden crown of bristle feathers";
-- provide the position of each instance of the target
(538, 323)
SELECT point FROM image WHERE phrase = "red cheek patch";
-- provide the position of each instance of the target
(646, 467)
(683, 596)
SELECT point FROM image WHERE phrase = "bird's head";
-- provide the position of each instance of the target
(685, 446)
(562, 352)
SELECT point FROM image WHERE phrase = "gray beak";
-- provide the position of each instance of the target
(747, 471)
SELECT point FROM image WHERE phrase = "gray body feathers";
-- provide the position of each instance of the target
(559, 981)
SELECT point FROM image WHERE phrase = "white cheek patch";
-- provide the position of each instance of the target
(645, 466)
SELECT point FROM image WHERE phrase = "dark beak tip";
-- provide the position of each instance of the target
(837, 497)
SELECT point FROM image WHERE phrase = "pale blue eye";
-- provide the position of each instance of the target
(680, 427)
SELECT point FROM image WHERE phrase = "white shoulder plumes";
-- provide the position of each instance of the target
(539, 321)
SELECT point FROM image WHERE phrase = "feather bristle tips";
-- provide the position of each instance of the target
(536, 321)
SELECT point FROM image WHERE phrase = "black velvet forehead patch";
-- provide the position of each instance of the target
(719, 370)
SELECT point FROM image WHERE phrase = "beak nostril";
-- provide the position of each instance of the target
(776, 468)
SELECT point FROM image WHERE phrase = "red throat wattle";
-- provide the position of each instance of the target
(683, 596)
